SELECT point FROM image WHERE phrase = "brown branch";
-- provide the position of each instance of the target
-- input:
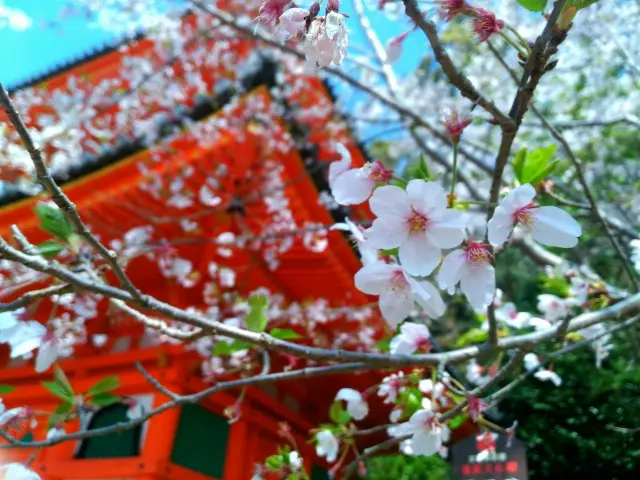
(457, 78)
(28, 297)
(59, 197)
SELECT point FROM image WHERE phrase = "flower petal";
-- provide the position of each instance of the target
(390, 201)
(518, 197)
(451, 270)
(387, 232)
(373, 278)
(352, 188)
(479, 285)
(418, 256)
(47, 354)
(396, 305)
(500, 226)
(554, 227)
(448, 231)
(428, 197)
(338, 167)
(434, 307)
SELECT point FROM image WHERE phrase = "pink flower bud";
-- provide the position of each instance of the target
(454, 125)
(450, 8)
(333, 6)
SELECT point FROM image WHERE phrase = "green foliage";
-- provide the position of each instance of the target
(103, 385)
(256, 319)
(535, 165)
(473, 335)
(418, 170)
(338, 414)
(284, 333)
(566, 428)
(579, 4)
(401, 467)
(60, 386)
(50, 248)
(6, 389)
(104, 399)
(533, 5)
(54, 221)
(227, 348)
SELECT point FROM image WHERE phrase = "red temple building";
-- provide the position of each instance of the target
(218, 198)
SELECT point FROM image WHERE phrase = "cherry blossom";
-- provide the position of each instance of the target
(293, 22)
(326, 41)
(391, 386)
(295, 461)
(427, 436)
(17, 471)
(451, 8)
(548, 225)
(435, 391)
(368, 254)
(393, 48)
(548, 375)
(356, 186)
(454, 124)
(327, 445)
(485, 24)
(412, 337)
(470, 267)
(271, 10)
(397, 291)
(338, 167)
(417, 221)
(357, 406)
(554, 308)
(532, 364)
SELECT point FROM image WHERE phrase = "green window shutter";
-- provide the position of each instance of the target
(118, 444)
(319, 473)
(200, 441)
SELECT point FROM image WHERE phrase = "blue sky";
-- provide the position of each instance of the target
(39, 49)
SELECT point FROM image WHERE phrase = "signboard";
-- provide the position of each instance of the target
(503, 463)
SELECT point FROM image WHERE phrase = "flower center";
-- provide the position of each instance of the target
(523, 215)
(423, 344)
(378, 173)
(417, 221)
(398, 280)
(478, 253)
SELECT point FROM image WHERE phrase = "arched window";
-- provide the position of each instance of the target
(125, 443)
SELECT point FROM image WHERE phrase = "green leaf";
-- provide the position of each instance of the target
(537, 163)
(256, 319)
(389, 251)
(284, 333)
(60, 413)
(473, 335)
(457, 421)
(412, 402)
(533, 5)
(419, 169)
(62, 380)
(337, 414)
(227, 348)
(104, 399)
(518, 163)
(54, 221)
(274, 461)
(50, 248)
(103, 385)
(6, 389)
(383, 344)
(58, 390)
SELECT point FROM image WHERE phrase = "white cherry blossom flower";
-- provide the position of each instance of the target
(295, 461)
(554, 308)
(531, 362)
(368, 254)
(17, 471)
(471, 266)
(55, 432)
(427, 436)
(550, 226)
(397, 291)
(356, 185)
(435, 391)
(293, 22)
(326, 41)
(417, 221)
(338, 167)
(412, 337)
(391, 386)
(357, 406)
(327, 445)
(548, 375)
(579, 289)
